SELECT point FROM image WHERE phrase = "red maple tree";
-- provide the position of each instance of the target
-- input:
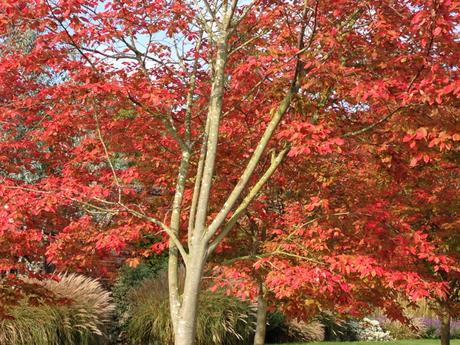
(127, 120)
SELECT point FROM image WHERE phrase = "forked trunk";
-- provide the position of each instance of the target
(261, 323)
(186, 323)
(445, 328)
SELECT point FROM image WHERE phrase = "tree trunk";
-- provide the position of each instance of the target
(185, 326)
(445, 328)
(261, 323)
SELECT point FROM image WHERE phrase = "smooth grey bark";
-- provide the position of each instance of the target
(200, 241)
(261, 322)
(186, 322)
(214, 114)
(173, 260)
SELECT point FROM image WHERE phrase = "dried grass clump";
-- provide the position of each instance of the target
(306, 331)
(222, 319)
(282, 330)
(399, 331)
(81, 321)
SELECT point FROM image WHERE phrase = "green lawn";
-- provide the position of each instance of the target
(396, 342)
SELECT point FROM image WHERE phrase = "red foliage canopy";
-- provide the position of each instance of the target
(93, 110)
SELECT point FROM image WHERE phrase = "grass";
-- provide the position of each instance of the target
(80, 321)
(395, 342)
(224, 320)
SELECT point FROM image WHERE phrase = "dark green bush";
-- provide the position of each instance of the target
(222, 319)
(277, 331)
(275, 320)
(129, 279)
(430, 333)
(338, 329)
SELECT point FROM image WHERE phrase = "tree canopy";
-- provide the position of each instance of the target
(135, 127)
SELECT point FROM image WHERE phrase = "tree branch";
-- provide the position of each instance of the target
(263, 143)
(372, 126)
(191, 92)
(276, 161)
(214, 115)
(163, 226)
(107, 156)
(196, 188)
(167, 123)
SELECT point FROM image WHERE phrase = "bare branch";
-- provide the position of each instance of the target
(191, 92)
(244, 44)
(163, 226)
(140, 54)
(276, 161)
(107, 156)
(372, 126)
(263, 143)
(229, 16)
(246, 11)
(210, 11)
(214, 115)
(202, 19)
(196, 188)
(300, 257)
(167, 121)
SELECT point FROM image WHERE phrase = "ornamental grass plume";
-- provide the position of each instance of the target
(81, 320)
(223, 320)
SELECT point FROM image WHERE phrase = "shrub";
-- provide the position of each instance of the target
(306, 331)
(281, 330)
(455, 329)
(130, 278)
(277, 331)
(222, 320)
(399, 330)
(81, 321)
(275, 320)
(370, 330)
(433, 327)
(430, 333)
(338, 329)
